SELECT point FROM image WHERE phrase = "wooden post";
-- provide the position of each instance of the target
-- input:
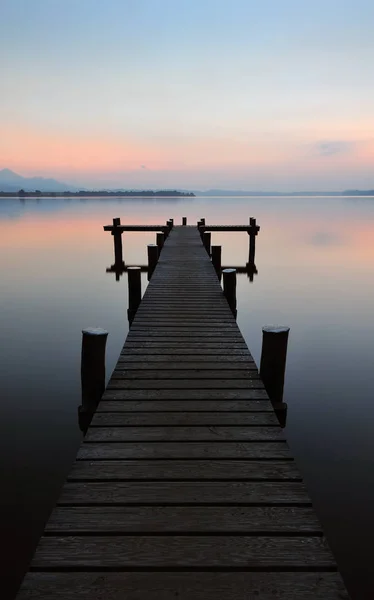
(184, 221)
(171, 221)
(117, 237)
(202, 221)
(199, 223)
(152, 251)
(216, 258)
(92, 367)
(252, 240)
(206, 241)
(135, 291)
(229, 287)
(273, 360)
(169, 224)
(160, 240)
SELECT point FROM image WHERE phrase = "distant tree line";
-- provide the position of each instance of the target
(129, 193)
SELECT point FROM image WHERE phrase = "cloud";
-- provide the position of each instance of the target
(331, 148)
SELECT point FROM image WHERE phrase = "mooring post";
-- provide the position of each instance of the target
(92, 367)
(184, 221)
(201, 228)
(135, 291)
(253, 231)
(206, 241)
(229, 288)
(202, 221)
(152, 251)
(216, 258)
(171, 221)
(169, 224)
(160, 240)
(117, 237)
(273, 360)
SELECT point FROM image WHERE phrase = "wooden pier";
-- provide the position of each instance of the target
(184, 486)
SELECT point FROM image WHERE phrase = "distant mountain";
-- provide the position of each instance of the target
(12, 182)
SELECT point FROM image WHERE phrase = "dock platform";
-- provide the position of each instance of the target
(184, 486)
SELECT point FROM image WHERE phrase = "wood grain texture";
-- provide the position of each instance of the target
(118, 381)
(183, 492)
(203, 433)
(184, 406)
(174, 551)
(122, 470)
(184, 450)
(183, 586)
(190, 519)
(211, 419)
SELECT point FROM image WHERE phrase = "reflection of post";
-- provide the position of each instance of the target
(135, 291)
(152, 251)
(160, 239)
(206, 241)
(273, 360)
(216, 258)
(92, 373)
(184, 221)
(229, 288)
(117, 236)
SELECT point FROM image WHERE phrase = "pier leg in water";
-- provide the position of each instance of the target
(92, 373)
(254, 229)
(184, 221)
(206, 241)
(229, 288)
(216, 259)
(160, 240)
(273, 366)
(152, 251)
(135, 291)
(117, 237)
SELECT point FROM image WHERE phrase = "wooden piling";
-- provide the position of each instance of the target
(92, 367)
(160, 240)
(135, 291)
(273, 360)
(216, 252)
(117, 237)
(152, 251)
(229, 287)
(202, 221)
(184, 221)
(252, 240)
(206, 241)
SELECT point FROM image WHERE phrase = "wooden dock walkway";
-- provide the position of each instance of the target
(184, 486)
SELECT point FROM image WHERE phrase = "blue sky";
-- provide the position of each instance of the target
(209, 93)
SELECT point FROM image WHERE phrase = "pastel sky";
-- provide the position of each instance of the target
(234, 94)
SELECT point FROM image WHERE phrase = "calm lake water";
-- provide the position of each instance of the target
(315, 262)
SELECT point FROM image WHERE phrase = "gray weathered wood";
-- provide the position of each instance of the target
(184, 450)
(224, 407)
(121, 470)
(203, 433)
(118, 419)
(243, 585)
(250, 552)
(191, 519)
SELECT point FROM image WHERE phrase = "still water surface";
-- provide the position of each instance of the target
(315, 262)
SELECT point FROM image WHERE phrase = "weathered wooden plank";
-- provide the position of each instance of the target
(122, 371)
(138, 419)
(192, 345)
(118, 381)
(174, 551)
(182, 350)
(191, 519)
(185, 406)
(122, 470)
(182, 450)
(243, 585)
(203, 433)
(183, 394)
(169, 363)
